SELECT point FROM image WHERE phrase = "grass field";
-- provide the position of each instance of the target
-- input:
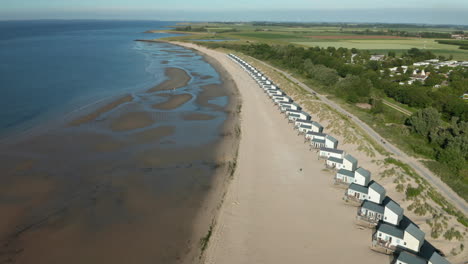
(331, 36)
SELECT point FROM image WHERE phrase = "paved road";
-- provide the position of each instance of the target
(444, 189)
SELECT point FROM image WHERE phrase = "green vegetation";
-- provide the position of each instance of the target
(204, 240)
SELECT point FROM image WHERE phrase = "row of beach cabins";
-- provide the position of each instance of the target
(394, 233)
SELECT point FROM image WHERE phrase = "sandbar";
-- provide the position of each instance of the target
(174, 102)
(177, 78)
(131, 120)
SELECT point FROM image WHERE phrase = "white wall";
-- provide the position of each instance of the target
(374, 196)
(348, 165)
(391, 217)
(411, 242)
(359, 179)
(362, 196)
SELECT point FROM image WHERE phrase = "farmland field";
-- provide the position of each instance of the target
(365, 37)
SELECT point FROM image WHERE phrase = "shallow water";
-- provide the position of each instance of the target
(124, 187)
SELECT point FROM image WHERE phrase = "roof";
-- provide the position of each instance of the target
(358, 188)
(394, 207)
(350, 158)
(363, 172)
(338, 151)
(391, 230)
(304, 121)
(316, 133)
(331, 138)
(346, 172)
(373, 206)
(377, 187)
(316, 124)
(410, 258)
(415, 232)
(305, 126)
(438, 259)
(318, 140)
(337, 160)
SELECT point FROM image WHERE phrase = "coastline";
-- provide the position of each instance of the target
(272, 212)
(62, 204)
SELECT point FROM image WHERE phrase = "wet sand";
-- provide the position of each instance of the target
(92, 116)
(174, 102)
(177, 78)
(131, 121)
(114, 191)
(197, 116)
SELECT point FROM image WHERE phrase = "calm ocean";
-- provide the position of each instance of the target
(49, 68)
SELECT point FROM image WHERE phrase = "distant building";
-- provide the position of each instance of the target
(348, 163)
(405, 257)
(387, 237)
(377, 57)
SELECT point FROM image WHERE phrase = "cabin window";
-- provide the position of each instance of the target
(380, 234)
(404, 243)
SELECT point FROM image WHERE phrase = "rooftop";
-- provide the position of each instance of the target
(394, 207)
(350, 158)
(390, 229)
(363, 172)
(346, 172)
(358, 188)
(338, 151)
(337, 160)
(409, 258)
(415, 232)
(377, 187)
(373, 206)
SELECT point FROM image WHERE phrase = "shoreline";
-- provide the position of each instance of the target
(269, 191)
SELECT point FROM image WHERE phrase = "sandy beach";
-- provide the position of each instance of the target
(274, 212)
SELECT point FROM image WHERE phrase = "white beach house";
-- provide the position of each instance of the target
(356, 193)
(376, 193)
(343, 177)
(331, 142)
(387, 237)
(348, 163)
(362, 177)
(393, 213)
(281, 98)
(293, 115)
(316, 127)
(328, 152)
(371, 213)
(275, 92)
(285, 106)
(317, 139)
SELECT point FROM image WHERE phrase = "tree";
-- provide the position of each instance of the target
(424, 121)
(391, 54)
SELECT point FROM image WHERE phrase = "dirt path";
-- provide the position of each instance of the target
(396, 107)
(274, 212)
(443, 188)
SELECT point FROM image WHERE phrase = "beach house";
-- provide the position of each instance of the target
(293, 115)
(328, 152)
(362, 177)
(404, 257)
(317, 139)
(281, 98)
(348, 163)
(274, 92)
(285, 106)
(376, 193)
(316, 127)
(387, 237)
(371, 213)
(331, 142)
(393, 213)
(343, 177)
(356, 193)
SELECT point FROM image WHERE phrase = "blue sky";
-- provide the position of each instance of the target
(415, 11)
